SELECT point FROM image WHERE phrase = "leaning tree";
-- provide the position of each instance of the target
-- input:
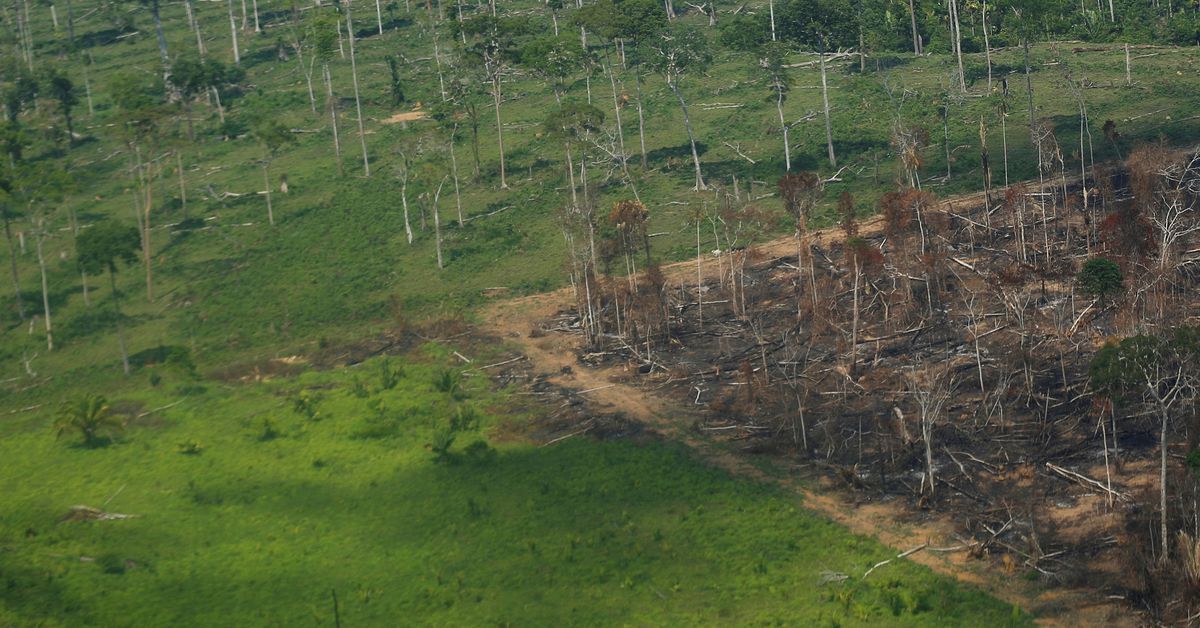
(682, 49)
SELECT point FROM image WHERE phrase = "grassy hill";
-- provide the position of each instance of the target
(235, 521)
(337, 263)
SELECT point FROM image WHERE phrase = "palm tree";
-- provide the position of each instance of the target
(89, 416)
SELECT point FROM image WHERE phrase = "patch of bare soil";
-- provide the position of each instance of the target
(405, 116)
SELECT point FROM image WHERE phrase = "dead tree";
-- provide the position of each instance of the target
(930, 388)
(800, 193)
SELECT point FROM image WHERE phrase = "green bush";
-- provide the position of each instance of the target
(1101, 277)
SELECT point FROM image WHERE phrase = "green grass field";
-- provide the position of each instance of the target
(277, 510)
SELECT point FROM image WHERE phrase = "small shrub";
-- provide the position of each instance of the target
(267, 430)
(1193, 462)
(111, 564)
(90, 416)
(189, 448)
(443, 440)
(359, 389)
(389, 376)
(464, 418)
(448, 381)
(305, 404)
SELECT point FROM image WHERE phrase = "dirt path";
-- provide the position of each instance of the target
(890, 522)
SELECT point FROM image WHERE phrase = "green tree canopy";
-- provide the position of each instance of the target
(1101, 277)
(104, 244)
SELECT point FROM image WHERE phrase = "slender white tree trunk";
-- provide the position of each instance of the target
(957, 33)
(771, 7)
(195, 24)
(987, 47)
(499, 127)
(266, 168)
(408, 232)
(1162, 483)
(454, 172)
(783, 126)
(641, 120)
(41, 236)
(362, 135)
(825, 101)
(687, 123)
(337, 144)
(237, 57)
(437, 222)
(379, 16)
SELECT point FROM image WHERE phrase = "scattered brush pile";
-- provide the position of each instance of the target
(966, 355)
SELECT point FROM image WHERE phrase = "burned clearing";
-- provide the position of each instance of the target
(952, 355)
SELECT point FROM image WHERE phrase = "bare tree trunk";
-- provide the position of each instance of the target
(1128, 80)
(854, 319)
(617, 114)
(408, 232)
(70, 25)
(195, 24)
(41, 236)
(916, 37)
(87, 87)
(146, 233)
(312, 97)
(266, 168)
(254, 7)
(571, 175)
(12, 259)
(332, 104)
(158, 33)
(699, 278)
(641, 119)
(783, 126)
(499, 127)
(237, 57)
(687, 123)
(437, 222)
(987, 47)
(825, 101)
(454, 171)
(220, 108)
(957, 33)
(771, 8)
(379, 16)
(182, 187)
(1162, 484)
(1028, 86)
(362, 135)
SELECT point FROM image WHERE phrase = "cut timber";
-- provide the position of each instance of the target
(87, 513)
(1085, 481)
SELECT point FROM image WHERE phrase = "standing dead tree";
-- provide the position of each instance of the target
(930, 388)
(800, 193)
